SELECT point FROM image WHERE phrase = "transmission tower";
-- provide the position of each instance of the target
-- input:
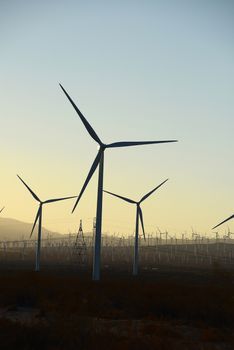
(80, 248)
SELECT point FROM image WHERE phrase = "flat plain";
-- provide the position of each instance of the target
(166, 308)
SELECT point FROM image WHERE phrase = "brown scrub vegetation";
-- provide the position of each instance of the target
(164, 309)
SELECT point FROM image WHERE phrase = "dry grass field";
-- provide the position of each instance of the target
(163, 309)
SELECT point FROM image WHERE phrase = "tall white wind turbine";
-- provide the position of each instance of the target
(99, 160)
(230, 217)
(139, 215)
(39, 219)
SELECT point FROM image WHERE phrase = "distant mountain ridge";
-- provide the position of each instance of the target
(12, 229)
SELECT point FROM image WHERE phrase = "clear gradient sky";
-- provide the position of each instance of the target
(138, 70)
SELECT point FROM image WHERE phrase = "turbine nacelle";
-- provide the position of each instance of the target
(102, 147)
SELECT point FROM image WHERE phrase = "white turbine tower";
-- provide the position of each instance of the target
(39, 219)
(230, 217)
(138, 215)
(99, 160)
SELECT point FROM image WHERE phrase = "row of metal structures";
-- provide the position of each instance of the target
(76, 251)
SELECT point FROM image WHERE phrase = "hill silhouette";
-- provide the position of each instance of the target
(12, 229)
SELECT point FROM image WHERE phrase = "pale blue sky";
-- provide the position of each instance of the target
(137, 70)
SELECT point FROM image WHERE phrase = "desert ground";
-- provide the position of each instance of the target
(163, 308)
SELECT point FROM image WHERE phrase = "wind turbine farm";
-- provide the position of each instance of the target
(98, 249)
(155, 257)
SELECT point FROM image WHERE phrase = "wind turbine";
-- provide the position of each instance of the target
(39, 219)
(138, 215)
(99, 160)
(2, 209)
(230, 217)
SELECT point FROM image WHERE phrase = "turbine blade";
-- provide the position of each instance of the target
(31, 191)
(141, 219)
(35, 222)
(121, 197)
(88, 127)
(135, 143)
(148, 194)
(2, 209)
(58, 199)
(230, 217)
(90, 174)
